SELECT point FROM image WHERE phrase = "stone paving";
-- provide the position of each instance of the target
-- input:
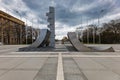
(58, 65)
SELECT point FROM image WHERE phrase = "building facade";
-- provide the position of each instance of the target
(12, 30)
(31, 34)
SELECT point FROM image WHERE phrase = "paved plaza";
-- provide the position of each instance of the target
(60, 64)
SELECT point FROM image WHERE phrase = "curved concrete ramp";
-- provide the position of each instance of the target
(42, 39)
(82, 48)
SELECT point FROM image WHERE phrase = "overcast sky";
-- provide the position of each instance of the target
(70, 14)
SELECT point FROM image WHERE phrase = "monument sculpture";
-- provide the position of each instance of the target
(51, 20)
(42, 39)
(46, 37)
(82, 48)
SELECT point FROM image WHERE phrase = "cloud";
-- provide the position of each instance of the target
(20, 10)
(70, 14)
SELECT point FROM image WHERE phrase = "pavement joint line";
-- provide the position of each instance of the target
(96, 56)
(12, 68)
(40, 56)
(66, 48)
(82, 73)
(27, 56)
(35, 52)
(117, 50)
(108, 68)
(3, 50)
(47, 52)
(60, 52)
(60, 73)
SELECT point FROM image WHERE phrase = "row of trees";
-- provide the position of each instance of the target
(109, 33)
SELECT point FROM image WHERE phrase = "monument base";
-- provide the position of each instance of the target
(57, 48)
(29, 49)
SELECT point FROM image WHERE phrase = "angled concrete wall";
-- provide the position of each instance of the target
(82, 48)
(42, 39)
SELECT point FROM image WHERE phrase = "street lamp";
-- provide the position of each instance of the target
(79, 32)
(87, 31)
(26, 31)
(2, 34)
(32, 30)
(93, 35)
(93, 28)
(98, 15)
(81, 29)
(21, 27)
(101, 11)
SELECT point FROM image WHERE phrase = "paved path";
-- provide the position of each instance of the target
(59, 65)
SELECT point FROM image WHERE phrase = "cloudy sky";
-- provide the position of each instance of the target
(70, 14)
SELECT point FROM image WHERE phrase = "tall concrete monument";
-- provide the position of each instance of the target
(51, 26)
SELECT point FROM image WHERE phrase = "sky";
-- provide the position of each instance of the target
(69, 14)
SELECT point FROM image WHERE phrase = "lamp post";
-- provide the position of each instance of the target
(87, 31)
(101, 11)
(26, 31)
(32, 30)
(19, 14)
(21, 27)
(2, 34)
(93, 35)
(93, 31)
(81, 31)
(99, 32)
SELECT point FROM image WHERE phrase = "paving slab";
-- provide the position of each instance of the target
(48, 71)
(73, 77)
(19, 75)
(116, 71)
(10, 63)
(32, 63)
(89, 64)
(116, 59)
(2, 72)
(71, 70)
(105, 59)
(112, 65)
(101, 75)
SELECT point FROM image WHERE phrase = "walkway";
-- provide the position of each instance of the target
(59, 65)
